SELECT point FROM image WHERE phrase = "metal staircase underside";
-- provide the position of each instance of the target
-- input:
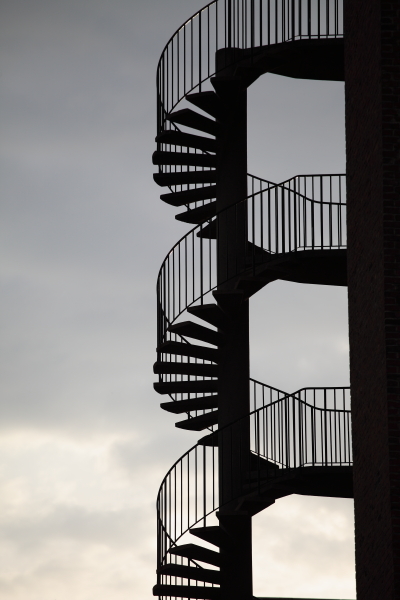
(296, 443)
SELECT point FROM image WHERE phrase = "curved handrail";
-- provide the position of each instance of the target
(189, 271)
(311, 427)
(305, 212)
(187, 60)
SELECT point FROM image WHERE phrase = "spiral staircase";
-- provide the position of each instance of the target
(260, 443)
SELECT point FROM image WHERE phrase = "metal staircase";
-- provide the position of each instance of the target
(262, 443)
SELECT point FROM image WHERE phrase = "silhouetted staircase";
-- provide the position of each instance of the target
(293, 231)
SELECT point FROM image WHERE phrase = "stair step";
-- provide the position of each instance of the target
(184, 158)
(195, 573)
(180, 138)
(253, 504)
(255, 476)
(200, 422)
(256, 254)
(195, 552)
(251, 285)
(211, 313)
(192, 119)
(210, 440)
(209, 231)
(214, 535)
(185, 368)
(229, 300)
(207, 101)
(198, 215)
(186, 387)
(224, 85)
(198, 332)
(184, 178)
(259, 462)
(192, 350)
(192, 404)
(187, 591)
(188, 196)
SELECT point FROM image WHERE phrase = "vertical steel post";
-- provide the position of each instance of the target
(234, 372)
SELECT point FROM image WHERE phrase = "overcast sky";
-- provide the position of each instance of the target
(84, 444)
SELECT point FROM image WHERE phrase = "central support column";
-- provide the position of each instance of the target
(234, 371)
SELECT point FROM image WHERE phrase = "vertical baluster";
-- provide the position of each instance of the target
(200, 50)
(327, 18)
(321, 209)
(204, 486)
(319, 18)
(184, 59)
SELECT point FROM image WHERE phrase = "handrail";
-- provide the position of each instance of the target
(309, 428)
(187, 60)
(312, 426)
(306, 212)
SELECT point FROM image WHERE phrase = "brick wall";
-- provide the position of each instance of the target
(372, 71)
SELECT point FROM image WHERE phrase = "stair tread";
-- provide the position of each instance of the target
(182, 406)
(187, 591)
(189, 196)
(214, 535)
(210, 440)
(193, 350)
(189, 140)
(200, 422)
(190, 118)
(186, 572)
(185, 177)
(209, 231)
(207, 101)
(198, 215)
(196, 552)
(198, 332)
(184, 158)
(185, 368)
(211, 313)
(186, 387)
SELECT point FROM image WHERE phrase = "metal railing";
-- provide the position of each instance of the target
(188, 59)
(306, 212)
(309, 428)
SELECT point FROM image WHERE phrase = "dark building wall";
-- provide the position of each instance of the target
(372, 74)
